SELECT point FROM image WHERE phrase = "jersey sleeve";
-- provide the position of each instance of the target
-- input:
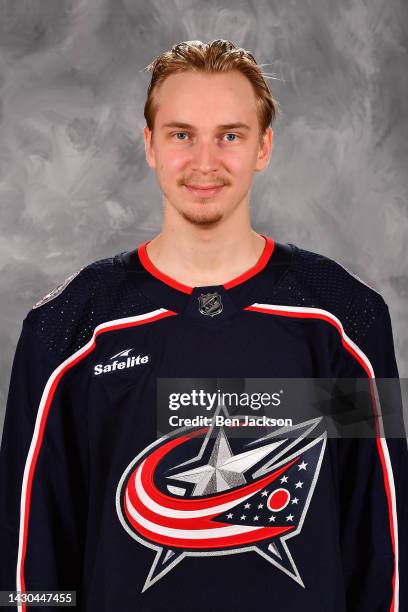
(373, 487)
(43, 473)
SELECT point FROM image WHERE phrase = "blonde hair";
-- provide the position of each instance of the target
(212, 57)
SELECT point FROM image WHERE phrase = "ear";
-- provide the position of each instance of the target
(265, 150)
(150, 158)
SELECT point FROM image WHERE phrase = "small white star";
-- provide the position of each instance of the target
(284, 479)
(302, 466)
(243, 517)
(272, 518)
(264, 492)
(289, 517)
(230, 515)
(295, 500)
(260, 505)
(299, 485)
(256, 518)
(247, 506)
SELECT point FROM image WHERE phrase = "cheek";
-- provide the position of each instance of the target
(172, 163)
(238, 164)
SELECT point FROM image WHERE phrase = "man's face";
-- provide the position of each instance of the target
(195, 150)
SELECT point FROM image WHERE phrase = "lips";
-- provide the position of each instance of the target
(204, 191)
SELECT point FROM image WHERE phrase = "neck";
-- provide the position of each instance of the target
(205, 256)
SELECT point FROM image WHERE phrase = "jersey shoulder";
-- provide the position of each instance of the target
(314, 280)
(66, 317)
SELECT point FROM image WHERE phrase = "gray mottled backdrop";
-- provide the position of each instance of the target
(74, 183)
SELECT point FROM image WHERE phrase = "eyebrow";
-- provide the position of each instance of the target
(223, 126)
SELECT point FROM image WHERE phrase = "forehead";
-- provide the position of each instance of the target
(206, 99)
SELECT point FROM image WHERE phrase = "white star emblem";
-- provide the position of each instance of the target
(289, 517)
(260, 505)
(243, 517)
(247, 506)
(272, 518)
(302, 466)
(264, 493)
(230, 515)
(224, 469)
(256, 518)
(295, 500)
(299, 485)
(284, 479)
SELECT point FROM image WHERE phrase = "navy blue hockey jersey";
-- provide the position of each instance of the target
(92, 500)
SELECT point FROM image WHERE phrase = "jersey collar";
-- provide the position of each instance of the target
(251, 286)
(260, 264)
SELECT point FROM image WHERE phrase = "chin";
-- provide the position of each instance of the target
(202, 220)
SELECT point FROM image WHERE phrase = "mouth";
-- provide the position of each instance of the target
(204, 192)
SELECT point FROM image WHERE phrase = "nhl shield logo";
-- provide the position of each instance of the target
(210, 304)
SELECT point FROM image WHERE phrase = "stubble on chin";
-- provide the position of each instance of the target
(202, 220)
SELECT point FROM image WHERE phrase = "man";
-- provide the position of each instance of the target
(93, 500)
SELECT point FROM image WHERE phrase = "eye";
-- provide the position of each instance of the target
(231, 134)
(177, 133)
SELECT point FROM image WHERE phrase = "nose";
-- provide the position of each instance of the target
(205, 156)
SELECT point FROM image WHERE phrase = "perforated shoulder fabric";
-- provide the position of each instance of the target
(316, 281)
(100, 292)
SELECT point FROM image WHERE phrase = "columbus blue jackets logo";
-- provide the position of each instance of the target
(197, 492)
